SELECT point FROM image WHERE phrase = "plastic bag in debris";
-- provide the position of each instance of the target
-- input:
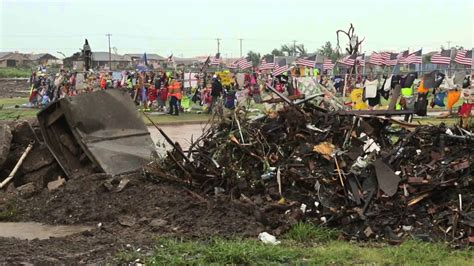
(266, 238)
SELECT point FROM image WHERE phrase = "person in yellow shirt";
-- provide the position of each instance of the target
(358, 102)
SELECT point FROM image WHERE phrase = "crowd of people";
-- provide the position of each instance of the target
(175, 91)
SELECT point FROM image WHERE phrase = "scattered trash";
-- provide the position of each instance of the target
(363, 175)
(266, 238)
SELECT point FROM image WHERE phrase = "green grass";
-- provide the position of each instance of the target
(10, 113)
(250, 251)
(8, 211)
(13, 72)
(13, 101)
(307, 232)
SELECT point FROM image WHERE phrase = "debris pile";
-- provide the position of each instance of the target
(26, 164)
(368, 176)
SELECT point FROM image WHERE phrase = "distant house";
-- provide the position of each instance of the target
(100, 60)
(44, 59)
(13, 59)
(135, 58)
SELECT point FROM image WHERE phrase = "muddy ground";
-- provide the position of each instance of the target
(14, 88)
(143, 210)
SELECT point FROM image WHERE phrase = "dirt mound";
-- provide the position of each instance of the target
(142, 210)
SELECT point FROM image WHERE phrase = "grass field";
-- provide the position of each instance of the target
(304, 244)
(12, 72)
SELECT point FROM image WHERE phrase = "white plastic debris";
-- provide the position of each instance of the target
(266, 238)
(398, 172)
(370, 145)
(316, 203)
(449, 132)
(323, 219)
(303, 207)
(407, 227)
(418, 151)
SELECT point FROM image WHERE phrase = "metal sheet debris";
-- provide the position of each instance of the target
(102, 128)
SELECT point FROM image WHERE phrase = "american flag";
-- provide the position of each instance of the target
(328, 64)
(402, 56)
(392, 59)
(348, 60)
(216, 60)
(245, 63)
(206, 63)
(360, 60)
(280, 68)
(413, 58)
(268, 62)
(442, 58)
(376, 59)
(234, 64)
(308, 61)
(464, 57)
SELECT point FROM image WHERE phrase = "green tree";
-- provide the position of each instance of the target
(301, 50)
(328, 51)
(254, 57)
(277, 52)
(288, 49)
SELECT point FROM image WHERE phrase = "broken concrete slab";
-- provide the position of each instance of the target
(53, 185)
(5, 141)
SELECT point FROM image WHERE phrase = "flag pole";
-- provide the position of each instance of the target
(450, 59)
(472, 63)
(421, 64)
(315, 62)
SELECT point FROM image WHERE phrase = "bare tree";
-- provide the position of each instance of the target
(354, 43)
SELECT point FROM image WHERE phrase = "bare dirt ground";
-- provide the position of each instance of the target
(142, 211)
(135, 216)
(14, 88)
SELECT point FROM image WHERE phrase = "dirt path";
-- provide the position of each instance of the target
(14, 88)
(180, 133)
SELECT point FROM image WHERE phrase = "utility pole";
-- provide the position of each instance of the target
(240, 47)
(294, 47)
(218, 44)
(449, 44)
(110, 54)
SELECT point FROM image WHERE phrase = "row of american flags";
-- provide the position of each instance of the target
(280, 65)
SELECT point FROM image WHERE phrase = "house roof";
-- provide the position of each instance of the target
(35, 57)
(148, 56)
(13, 56)
(3, 54)
(104, 56)
(186, 61)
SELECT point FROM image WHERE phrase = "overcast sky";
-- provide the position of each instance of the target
(189, 28)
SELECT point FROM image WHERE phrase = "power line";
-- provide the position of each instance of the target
(110, 54)
(218, 45)
(240, 46)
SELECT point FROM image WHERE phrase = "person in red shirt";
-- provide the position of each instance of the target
(152, 96)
